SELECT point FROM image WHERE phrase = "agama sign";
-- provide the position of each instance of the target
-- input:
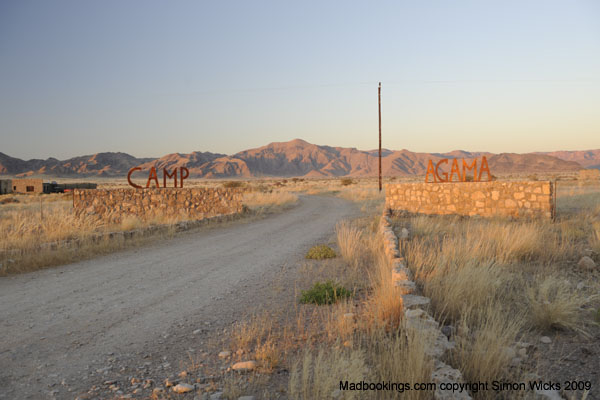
(153, 176)
(439, 175)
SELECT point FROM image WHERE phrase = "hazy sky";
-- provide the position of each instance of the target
(155, 77)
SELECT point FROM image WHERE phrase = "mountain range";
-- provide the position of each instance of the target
(295, 158)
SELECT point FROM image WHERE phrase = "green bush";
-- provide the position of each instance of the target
(233, 184)
(346, 181)
(324, 293)
(320, 252)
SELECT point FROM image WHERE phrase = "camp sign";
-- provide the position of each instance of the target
(460, 170)
(153, 177)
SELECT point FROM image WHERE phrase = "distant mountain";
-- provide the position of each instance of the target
(100, 164)
(295, 158)
(585, 158)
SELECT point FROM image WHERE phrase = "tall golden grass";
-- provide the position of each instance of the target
(495, 279)
(265, 201)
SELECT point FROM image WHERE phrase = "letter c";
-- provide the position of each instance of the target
(129, 177)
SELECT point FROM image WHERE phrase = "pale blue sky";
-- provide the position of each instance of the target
(155, 77)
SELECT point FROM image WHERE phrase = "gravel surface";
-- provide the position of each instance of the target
(67, 328)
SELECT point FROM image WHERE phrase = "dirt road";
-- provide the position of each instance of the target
(59, 326)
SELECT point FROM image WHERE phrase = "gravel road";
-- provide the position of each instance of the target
(58, 326)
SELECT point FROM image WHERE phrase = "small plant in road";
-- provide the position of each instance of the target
(320, 252)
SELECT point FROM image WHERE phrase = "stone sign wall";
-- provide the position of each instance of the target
(195, 203)
(515, 199)
(589, 174)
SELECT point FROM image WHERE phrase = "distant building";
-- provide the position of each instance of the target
(27, 186)
(33, 186)
(5, 186)
(54, 187)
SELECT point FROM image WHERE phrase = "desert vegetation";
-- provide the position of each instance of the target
(38, 231)
(500, 282)
(496, 286)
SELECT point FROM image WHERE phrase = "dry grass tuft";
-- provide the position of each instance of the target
(268, 354)
(483, 338)
(246, 335)
(318, 376)
(340, 321)
(455, 287)
(348, 239)
(554, 303)
(399, 357)
(384, 308)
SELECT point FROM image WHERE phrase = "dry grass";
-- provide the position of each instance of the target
(494, 279)
(268, 354)
(268, 201)
(349, 241)
(463, 262)
(42, 231)
(595, 237)
(246, 335)
(484, 334)
(384, 308)
(554, 303)
(35, 235)
(340, 321)
(399, 357)
(317, 375)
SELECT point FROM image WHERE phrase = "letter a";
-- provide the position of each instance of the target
(152, 176)
(430, 170)
(455, 169)
(484, 167)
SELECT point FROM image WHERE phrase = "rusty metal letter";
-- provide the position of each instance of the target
(466, 167)
(437, 173)
(430, 170)
(167, 175)
(152, 176)
(454, 170)
(484, 167)
(181, 176)
(129, 177)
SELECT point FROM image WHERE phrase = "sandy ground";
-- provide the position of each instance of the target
(62, 329)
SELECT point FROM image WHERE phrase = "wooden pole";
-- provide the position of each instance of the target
(379, 101)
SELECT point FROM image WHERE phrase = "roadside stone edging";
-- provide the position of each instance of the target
(415, 314)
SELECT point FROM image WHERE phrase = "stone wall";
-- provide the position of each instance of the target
(22, 186)
(514, 199)
(589, 174)
(193, 203)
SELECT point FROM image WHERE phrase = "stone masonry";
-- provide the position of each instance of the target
(194, 203)
(496, 198)
(27, 185)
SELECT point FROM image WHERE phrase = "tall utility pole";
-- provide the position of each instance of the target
(379, 100)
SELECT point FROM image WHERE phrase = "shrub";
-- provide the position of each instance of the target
(9, 200)
(554, 303)
(346, 181)
(320, 252)
(324, 293)
(233, 184)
